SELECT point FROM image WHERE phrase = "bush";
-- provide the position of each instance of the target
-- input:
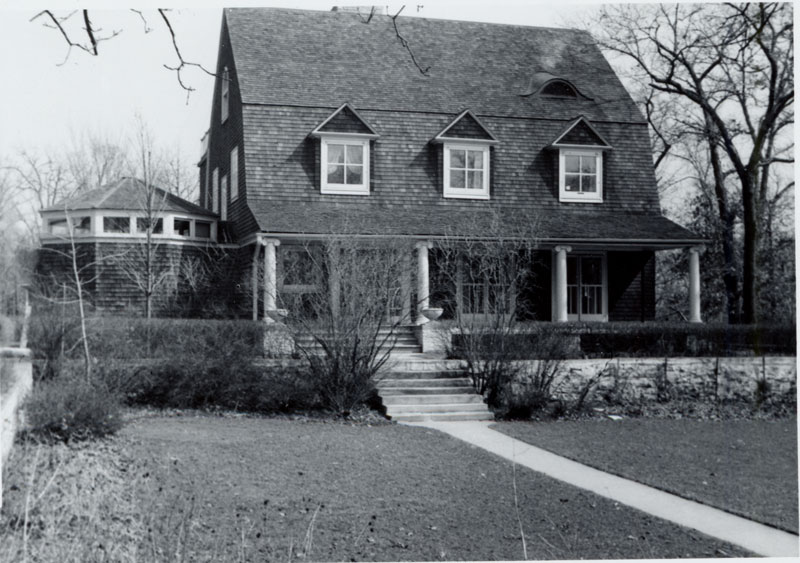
(191, 382)
(71, 409)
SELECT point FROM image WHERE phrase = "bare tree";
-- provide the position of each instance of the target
(80, 32)
(348, 318)
(730, 67)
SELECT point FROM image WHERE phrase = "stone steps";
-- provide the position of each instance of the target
(402, 341)
(416, 389)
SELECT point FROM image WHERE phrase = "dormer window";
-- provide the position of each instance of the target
(345, 140)
(580, 162)
(559, 89)
(467, 157)
(345, 165)
(581, 175)
(225, 95)
(466, 171)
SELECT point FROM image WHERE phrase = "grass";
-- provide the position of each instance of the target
(264, 489)
(211, 488)
(747, 467)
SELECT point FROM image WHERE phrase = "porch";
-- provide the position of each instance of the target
(549, 282)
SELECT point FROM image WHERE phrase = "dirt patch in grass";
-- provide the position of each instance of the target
(256, 489)
(748, 467)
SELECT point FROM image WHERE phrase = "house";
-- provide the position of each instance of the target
(325, 123)
(114, 251)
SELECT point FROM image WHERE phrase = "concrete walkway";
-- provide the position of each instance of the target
(758, 538)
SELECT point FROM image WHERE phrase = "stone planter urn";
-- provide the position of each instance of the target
(432, 313)
(278, 315)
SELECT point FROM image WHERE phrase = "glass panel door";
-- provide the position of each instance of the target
(585, 282)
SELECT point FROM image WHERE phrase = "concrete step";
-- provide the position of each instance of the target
(446, 374)
(426, 391)
(446, 416)
(392, 383)
(393, 410)
(427, 365)
(447, 399)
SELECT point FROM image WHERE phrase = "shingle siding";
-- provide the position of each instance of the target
(631, 286)
(283, 162)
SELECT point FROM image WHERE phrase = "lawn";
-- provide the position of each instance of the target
(747, 467)
(265, 489)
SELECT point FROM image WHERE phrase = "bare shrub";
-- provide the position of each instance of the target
(352, 317)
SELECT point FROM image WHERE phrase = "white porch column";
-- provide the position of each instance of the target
(694, 284)
(561, 283)
(334, 279)
(254, 279)
(423, 281)
(270, 276)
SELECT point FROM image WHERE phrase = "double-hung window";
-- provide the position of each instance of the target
(345, 165)
(466, 171)
(581, 175)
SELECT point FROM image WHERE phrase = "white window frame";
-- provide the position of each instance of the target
(590, 197)
(224, 95)
(223, 198)
(466, 193)
(344, 189)
(235, 173)
(215, 191)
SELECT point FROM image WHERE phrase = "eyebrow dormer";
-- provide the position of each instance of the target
(549, 85)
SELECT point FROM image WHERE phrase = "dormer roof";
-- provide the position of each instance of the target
(465, 127)
(580, 134)
(344, 120)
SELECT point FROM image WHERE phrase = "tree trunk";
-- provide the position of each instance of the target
(750, 254)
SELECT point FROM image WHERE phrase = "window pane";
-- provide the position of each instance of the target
(58, 227)
(572, 271)
(335, 154)
(457, 159)
(475, 160)
(572, 164)
(116, 224)
(82, 225)
(354, 174)
(355, 154)
(202, 229)
(589, 184)
(181, 227)
(572, 182)
(592, 271)
(475, 180)
(158, 225)
(457, 178)
(588, 165)
(335, 174)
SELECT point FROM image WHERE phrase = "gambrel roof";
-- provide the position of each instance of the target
(313, 58)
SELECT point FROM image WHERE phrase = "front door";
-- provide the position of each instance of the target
(586, 299)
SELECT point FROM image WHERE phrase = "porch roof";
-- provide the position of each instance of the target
(549, 227)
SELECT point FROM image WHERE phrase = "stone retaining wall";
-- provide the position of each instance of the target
(16, 363)
(656, 378)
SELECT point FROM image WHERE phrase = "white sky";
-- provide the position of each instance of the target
(46, 105)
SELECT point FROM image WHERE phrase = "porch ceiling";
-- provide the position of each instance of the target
(552, 226)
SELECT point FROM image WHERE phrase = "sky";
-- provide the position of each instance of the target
(54, 97)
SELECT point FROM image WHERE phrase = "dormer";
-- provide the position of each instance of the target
(580, 162)
(344, 152)
(467, 161)
(548, 85)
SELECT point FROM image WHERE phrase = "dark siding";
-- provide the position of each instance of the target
(220, 290)
(631, 286)
(283, 163)
(223, 137)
